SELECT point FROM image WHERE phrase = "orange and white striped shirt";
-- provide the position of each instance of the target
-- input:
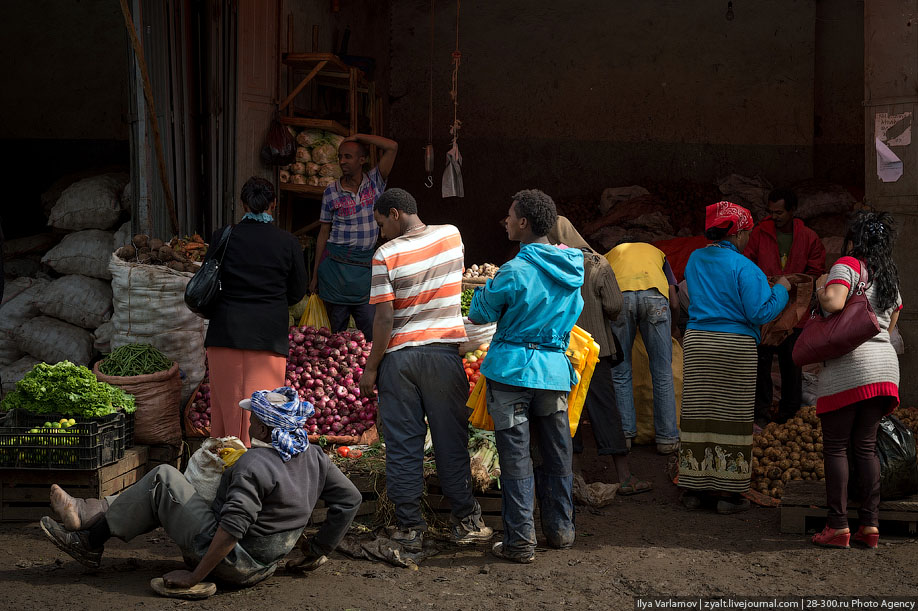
(421, 273)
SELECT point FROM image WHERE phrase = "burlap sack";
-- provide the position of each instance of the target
(158, 397)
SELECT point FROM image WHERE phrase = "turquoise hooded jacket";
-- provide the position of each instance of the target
(535, 300)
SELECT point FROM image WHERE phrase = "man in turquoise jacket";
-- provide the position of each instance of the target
(535, 300)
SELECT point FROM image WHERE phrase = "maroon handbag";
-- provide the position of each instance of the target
(828, 337)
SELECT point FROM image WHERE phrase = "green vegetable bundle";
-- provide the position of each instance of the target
(69, 390)
(466, 301)
(135, 360)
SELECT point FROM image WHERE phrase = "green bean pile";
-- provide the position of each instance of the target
(135, 360)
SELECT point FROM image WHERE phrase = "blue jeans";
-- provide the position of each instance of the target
(533, 438)
(648, 311)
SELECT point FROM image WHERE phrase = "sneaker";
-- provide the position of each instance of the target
(76, 544)
(667, 448)
(523, 558)
(310, 561)
(470, 530)
(411, 539)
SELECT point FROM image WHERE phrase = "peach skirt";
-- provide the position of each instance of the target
(234, 376)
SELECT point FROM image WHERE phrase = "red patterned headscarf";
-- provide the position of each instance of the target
(723, 214)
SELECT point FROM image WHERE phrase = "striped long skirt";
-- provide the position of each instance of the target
(718, 402)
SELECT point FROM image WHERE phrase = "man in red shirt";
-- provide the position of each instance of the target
(781, 244)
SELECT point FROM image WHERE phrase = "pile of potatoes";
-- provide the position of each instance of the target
(909, 417)
(180, 255)
(790, 451)
(793, 451)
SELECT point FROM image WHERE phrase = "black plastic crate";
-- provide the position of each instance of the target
(87, 445)
(128, 430)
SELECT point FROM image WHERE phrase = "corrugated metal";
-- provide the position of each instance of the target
(218, 65)
(257, 86)
(165, 28)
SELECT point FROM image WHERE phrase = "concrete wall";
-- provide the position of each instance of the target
(573, 97)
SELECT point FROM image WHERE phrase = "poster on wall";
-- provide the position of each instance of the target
(889, 166)
(894, 129)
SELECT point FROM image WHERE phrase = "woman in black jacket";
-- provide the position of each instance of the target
(262, 274)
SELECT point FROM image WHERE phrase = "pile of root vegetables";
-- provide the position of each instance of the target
(197, 412)
(180, 254)
(787, 452)
(793, 450)
(325, 368)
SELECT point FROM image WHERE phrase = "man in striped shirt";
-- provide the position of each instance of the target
(416, 287)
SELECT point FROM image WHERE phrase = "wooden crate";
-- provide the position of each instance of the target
(806, 500)
(490, 502)
(164, 455)
(24, 493)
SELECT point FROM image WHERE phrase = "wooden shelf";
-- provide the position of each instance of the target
(326, 124)
(308, 61)
(304, 190)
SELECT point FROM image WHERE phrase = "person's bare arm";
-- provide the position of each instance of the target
(893, 320)
(382, 331)
(321, 241)
(222, 544)
(388, 147)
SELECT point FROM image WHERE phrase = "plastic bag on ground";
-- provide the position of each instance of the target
(898, 461)
(596, 494)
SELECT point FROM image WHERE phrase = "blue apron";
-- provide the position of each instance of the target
(345, 274)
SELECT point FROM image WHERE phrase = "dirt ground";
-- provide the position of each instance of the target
(641, 545)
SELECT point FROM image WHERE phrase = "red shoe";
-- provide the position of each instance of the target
(870, 540)
(829, 538)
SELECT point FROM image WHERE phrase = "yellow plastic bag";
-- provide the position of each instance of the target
(315, 314)
(583, 353)
(481, 417)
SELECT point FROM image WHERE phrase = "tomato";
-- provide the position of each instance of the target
(475, 366)
(468, 371)
(355, 453)
(344, 451)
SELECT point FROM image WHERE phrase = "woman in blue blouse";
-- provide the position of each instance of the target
(730, 299)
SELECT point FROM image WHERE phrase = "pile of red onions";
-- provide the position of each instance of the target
(324, 368)
(199, 414)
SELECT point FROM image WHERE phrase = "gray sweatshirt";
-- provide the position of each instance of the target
(262, 495)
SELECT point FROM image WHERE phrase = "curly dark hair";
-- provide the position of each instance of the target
(257, 194)
(538, 208)
(398, 199)
(870, 238)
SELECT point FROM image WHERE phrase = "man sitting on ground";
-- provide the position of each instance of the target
(262, 505)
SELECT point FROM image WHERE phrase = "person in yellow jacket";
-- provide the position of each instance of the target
(648, 297)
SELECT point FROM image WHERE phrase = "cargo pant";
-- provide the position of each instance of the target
(415, 382)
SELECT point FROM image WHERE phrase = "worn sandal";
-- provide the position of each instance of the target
(633, 485)
(196, 592)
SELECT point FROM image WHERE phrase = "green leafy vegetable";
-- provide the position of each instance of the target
(466, 301)
(69, 390)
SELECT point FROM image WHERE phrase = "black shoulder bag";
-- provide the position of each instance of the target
(203, 290)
